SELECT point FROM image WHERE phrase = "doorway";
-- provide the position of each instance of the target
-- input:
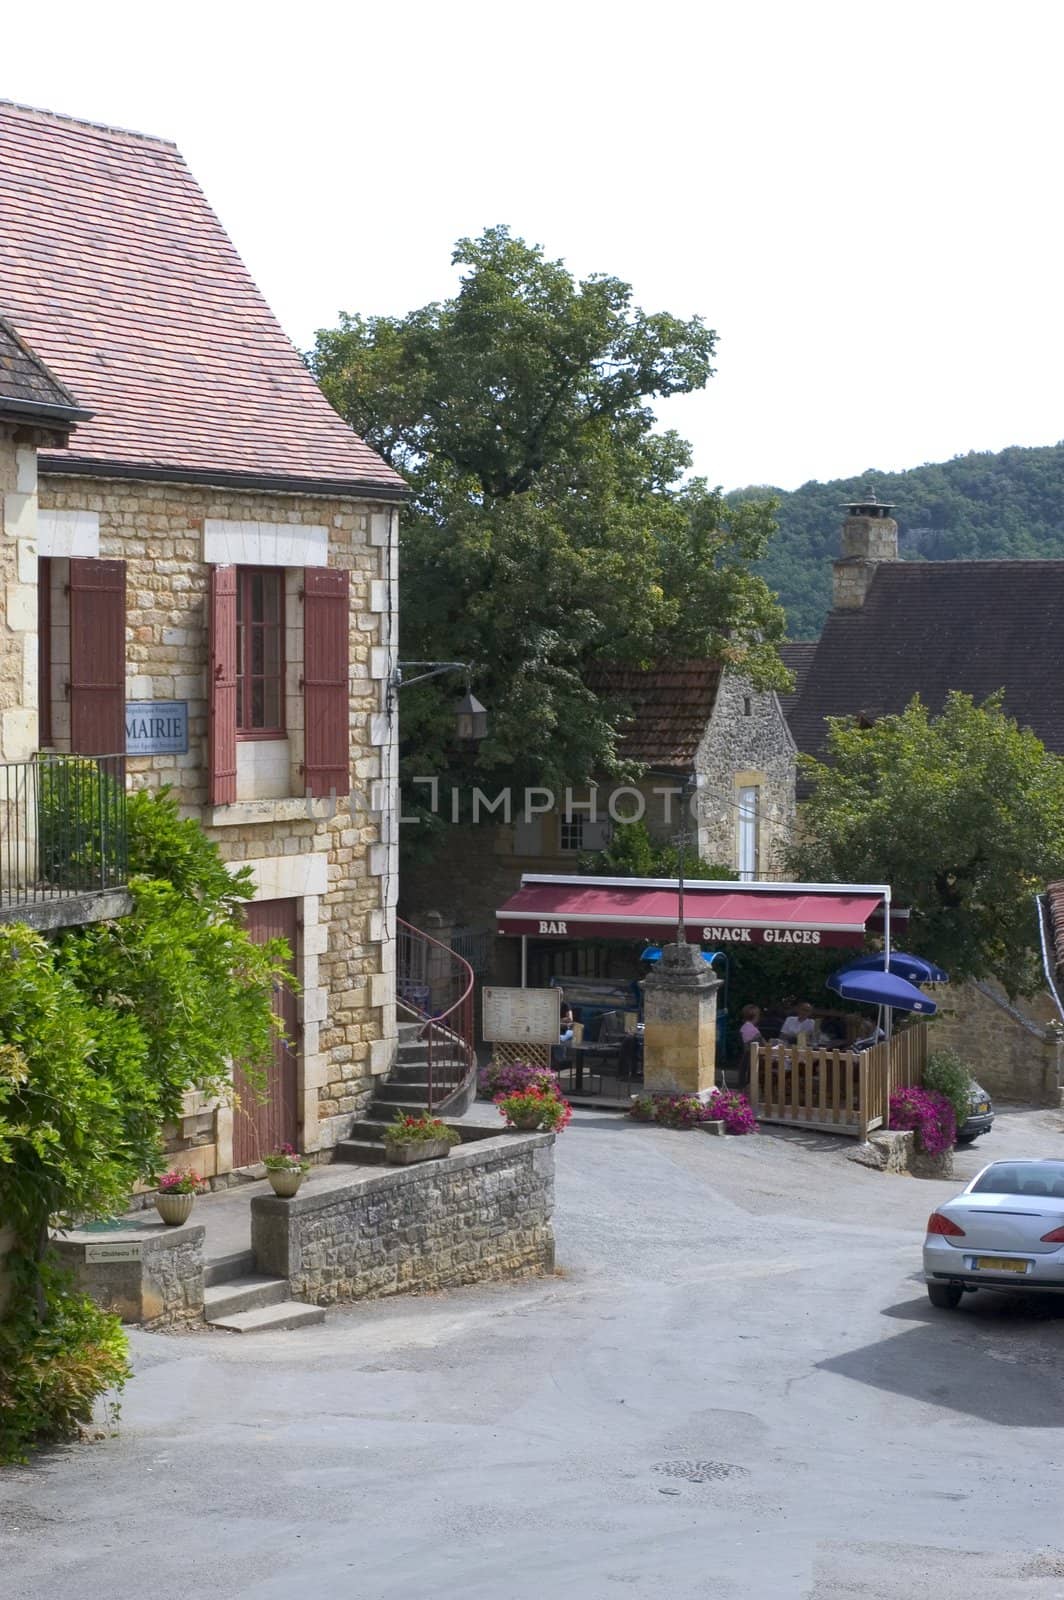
(263, 1125)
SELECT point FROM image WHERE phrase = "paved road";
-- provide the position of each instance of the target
(734, 1388)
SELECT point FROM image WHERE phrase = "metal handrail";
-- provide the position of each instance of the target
(437, 984)
(62, 827)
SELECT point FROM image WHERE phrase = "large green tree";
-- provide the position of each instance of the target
(550, 524)
(961, 813)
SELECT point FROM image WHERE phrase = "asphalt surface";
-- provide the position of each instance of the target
(735, 1387)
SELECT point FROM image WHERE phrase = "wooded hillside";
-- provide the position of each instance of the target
(982, 505)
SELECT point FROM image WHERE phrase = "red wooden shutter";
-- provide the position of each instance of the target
(222, 668)
(97, 657)
(325, 681)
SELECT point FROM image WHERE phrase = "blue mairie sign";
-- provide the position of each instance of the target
(156, 727)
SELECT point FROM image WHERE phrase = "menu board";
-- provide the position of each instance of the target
(522, 1015)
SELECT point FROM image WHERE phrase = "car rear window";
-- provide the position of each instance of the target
(1044, 1178)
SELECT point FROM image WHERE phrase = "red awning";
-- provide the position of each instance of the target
(590, 908)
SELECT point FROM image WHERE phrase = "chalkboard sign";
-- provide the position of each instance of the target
(156, 727)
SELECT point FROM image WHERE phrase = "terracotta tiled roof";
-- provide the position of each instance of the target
(27, 386)
(797, 657)
(669, 708)
(117, 272)
(931, 626)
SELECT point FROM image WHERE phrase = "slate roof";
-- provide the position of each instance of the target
(117, 272)
(797, 657)
(931, 626)
(27, 388)
(669, 707)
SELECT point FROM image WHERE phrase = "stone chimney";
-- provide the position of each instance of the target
(869, 536)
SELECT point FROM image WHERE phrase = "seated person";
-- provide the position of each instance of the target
(750, 1032)
(800, 1026)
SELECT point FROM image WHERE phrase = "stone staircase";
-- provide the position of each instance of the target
(405, 1092)
(241, 1300)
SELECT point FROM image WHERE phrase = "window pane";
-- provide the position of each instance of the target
(271, 597)
(240, 702)
(271, 691)
(258, 653)
(271, 652)
(256, 597)
(258, 703)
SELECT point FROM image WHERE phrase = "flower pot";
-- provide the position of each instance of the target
(527, 1124)
(284, 1181)
(405, 1154)
(174, 1208)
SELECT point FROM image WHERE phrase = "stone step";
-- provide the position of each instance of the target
(223, 1269)
(407, 1094)
(412, 1050)
(242, 1294)
(360, 1152)
(418, 1071)
(285, 1314)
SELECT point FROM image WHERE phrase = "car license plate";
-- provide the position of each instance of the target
(1000, 1264)
(983, 1106)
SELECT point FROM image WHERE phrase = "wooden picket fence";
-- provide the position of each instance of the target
(835, 1091)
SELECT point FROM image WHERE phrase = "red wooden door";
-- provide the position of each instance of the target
(262, 1125)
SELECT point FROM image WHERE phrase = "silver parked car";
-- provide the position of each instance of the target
(1004, 1231)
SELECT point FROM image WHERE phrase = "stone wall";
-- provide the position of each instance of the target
(145, 1273)
(483, 1213)
(336, 858)
(18, 586)
(1012, 1047)
(747, 744)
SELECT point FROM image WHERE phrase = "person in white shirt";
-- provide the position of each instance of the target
(800, 1026)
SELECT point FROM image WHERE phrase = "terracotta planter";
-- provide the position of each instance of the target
(174, 1208)
(404, 1155)
(284, 1183)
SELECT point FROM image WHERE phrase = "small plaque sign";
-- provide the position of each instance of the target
(97, 1253)
(156, 727)
(522, 1015)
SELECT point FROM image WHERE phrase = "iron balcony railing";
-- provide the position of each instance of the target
(62, 828)
(435, 986)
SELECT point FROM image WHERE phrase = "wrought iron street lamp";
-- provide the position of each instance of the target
(471, 718)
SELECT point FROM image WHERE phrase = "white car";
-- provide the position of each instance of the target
(1004, 1231)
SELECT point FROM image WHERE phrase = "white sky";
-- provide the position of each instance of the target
(864, 200)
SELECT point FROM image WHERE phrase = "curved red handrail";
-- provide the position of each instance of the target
(426, 965)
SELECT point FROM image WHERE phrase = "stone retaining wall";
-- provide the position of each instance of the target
(1013, 1049)
(145, 1272)
(482, 1213)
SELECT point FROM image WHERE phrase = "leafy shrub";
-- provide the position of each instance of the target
(947, 1074)
(927, 1114)
(419, 1130)
(53, 1372)
(547, 1110)
(496, 1079)
(642, 1108)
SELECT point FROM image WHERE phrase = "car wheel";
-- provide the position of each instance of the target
(946, 1296)
(966, 1138)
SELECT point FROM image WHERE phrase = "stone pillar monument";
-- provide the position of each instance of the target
(680, 1023)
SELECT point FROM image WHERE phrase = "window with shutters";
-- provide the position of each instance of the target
(260, 652)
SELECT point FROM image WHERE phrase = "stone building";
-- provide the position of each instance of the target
(899, 628)
(200, 582)
(684, 724)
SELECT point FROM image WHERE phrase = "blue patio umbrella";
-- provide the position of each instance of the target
(653, 953)
(879, 988)
(916, 968)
